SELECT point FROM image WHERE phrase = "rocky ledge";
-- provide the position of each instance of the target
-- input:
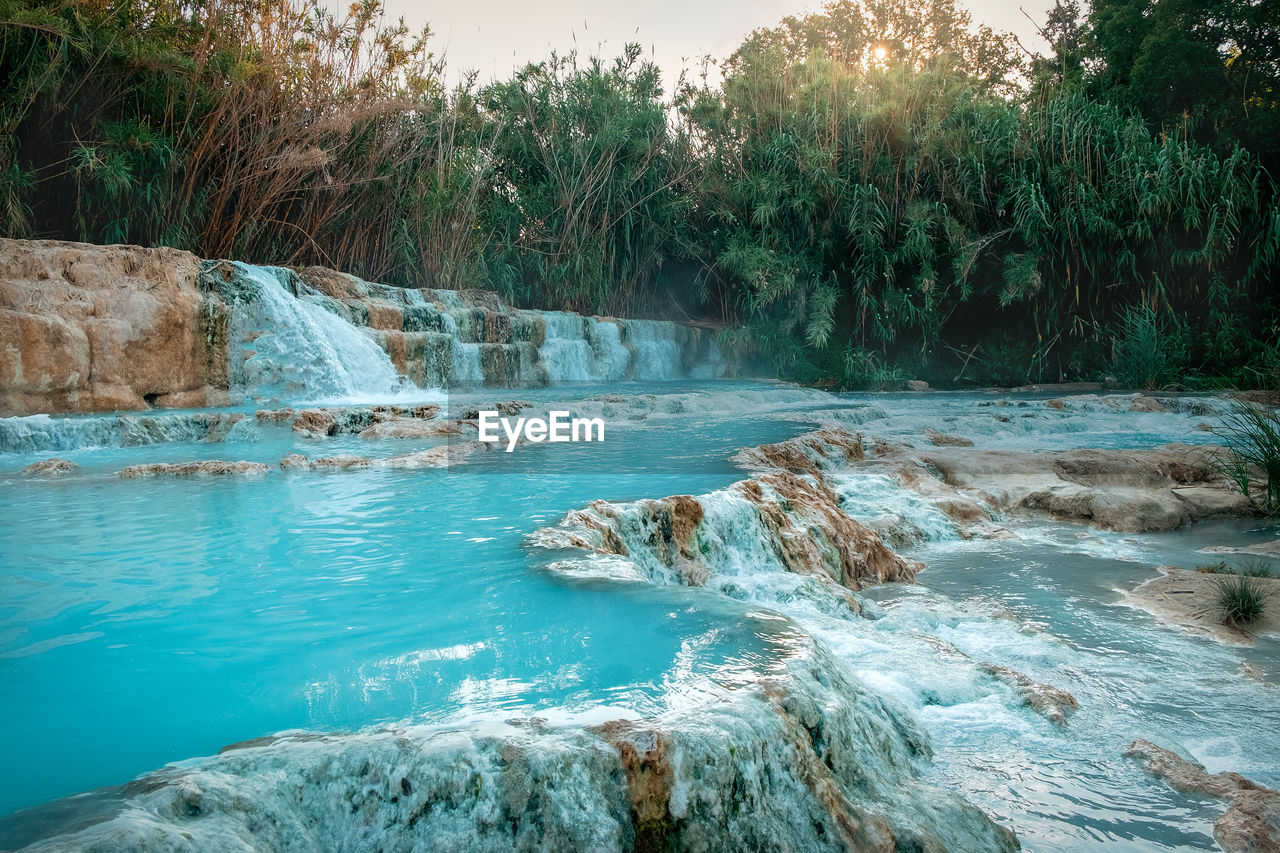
(782, 519)
(1252, 822)
(820, 763)
(1125, 490)
(98, 328)
(203, 468)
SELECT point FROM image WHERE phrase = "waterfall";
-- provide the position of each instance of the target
(323, 336)
(582, 349)
(285, 348)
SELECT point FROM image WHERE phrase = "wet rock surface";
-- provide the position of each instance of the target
(205, 467)
(808, 759)
(367, 421)
(1252, 822)
(42, 433)
(785, 515)
(50, 467)
(1053, 703)
(1126, 490)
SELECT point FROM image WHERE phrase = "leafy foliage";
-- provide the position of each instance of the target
(875, 190)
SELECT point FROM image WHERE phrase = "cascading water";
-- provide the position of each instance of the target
(657, 355)
(582, 349)
(443, 338)
(287, 349)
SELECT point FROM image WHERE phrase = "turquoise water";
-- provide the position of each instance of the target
(151, 621)
(1049, 607)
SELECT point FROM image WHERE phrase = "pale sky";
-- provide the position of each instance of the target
(496, 36)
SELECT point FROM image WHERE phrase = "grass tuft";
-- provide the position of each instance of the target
(1148, 353)
(1252, 434)
(1241, 599)
(1256, 568)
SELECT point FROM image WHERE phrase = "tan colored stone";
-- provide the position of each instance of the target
(341, 462)
(1052, 703)
(207, 467)
(48, 467)
(941, 440)
(1147, 404)
(385, 315)
(1130, 490)
(1250, 825)
(411, 428)
(88, 328)
(315, 423)
(1186, 599)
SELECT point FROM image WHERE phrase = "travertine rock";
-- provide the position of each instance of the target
(1250, 825)
(87, 328)
(48, 467)
(186, 469)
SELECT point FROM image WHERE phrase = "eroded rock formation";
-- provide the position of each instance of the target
(784, 519)
(807, 759)
(205, 467)
(1127, 490)
(88, 328)
(1252, 822)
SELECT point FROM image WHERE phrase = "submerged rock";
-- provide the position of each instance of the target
(454, 453)
(50, 467)
(42, 433)
(1052, 703)
(411, 428)
(341, 462)
(206, 467)
(1251, 823)
(295, 462)
(507, 409)
(373, 422)
(1147, 404)
(940, 440)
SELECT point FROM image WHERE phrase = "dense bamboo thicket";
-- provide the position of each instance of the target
(873, 191)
